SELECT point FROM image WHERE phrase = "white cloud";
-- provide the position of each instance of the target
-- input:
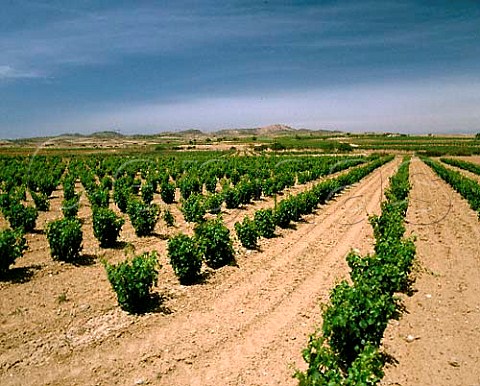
(8, 72)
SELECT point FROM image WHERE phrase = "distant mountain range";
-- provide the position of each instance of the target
(265, 131)
(275, 130)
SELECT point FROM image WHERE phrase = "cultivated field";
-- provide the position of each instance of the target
(247, 321)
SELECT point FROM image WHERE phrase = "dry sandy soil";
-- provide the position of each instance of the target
(437, 342)
(245, 325)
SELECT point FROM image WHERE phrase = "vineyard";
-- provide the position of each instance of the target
(208, 267)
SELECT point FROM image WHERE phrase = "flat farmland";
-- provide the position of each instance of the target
(245, 323)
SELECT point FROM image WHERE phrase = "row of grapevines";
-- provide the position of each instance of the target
(242, 178)
(470, 166)
(39, 173)
(133, 280)
(202, 167)
(188, 171)
(212, 244)
(293, 208)
(41, 176)
(21, 219)
(468, 188)
(212, 238)
(195, 207)
(345, 350)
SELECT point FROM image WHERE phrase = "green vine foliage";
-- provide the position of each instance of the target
(99, 198)
(193, 208)
(189, 185)
(213, 238)
(345, 350)
(213, 203)
(470, 166)
(265, 223)
(106, 226)
(247, 233)
(325, 370)
(121, 193)
(143, 217)
(65, 238)
(147, 192)
(286, 212)
(245, 192)
(70, 207)
(232, 198)
(357, 316)
(133, 280)
(41, 201)
(21, 217)
(185, 258)
(167, 192)
(468, 188)
(168, 218)
(68, 187)
(12, 246)
(106, 183)
(211, 183)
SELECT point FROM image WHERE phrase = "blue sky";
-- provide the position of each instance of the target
(146, 67)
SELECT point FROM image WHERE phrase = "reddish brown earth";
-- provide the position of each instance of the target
(437, 342)
(244, 325)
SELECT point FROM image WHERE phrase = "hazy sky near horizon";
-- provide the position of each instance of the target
(146, 66)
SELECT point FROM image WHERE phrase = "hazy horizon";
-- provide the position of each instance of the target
(354, 66)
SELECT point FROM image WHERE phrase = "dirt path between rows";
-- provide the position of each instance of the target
(245, 325)
(437, 342)
(472, 158)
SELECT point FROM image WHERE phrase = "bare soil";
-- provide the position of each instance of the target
(436, 342)
(472, 158)
(244, 325)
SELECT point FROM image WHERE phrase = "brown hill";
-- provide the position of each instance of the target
(275, 129)
(268, 131)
